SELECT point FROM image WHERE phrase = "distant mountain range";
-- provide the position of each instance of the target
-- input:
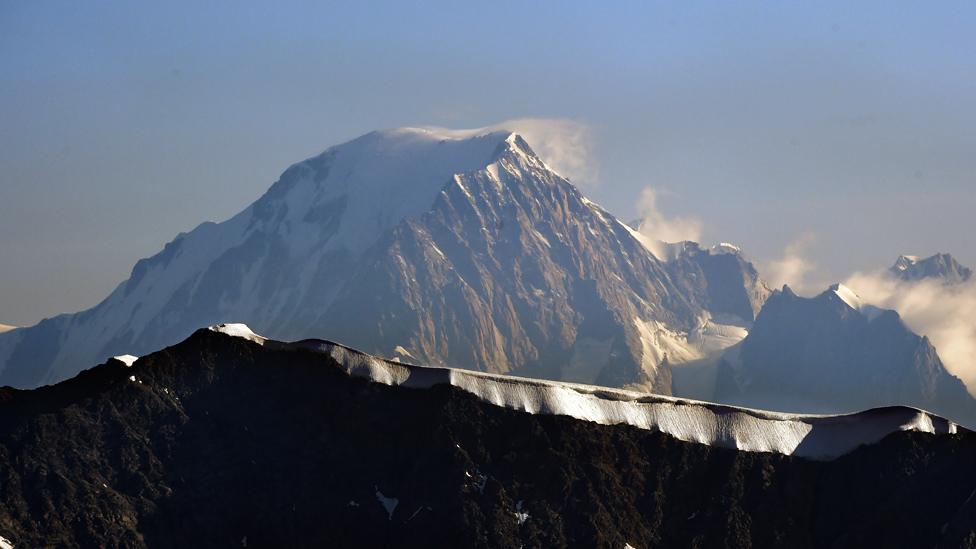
(940, 266)
(228, 439)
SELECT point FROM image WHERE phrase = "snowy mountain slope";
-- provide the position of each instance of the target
(274, 262)
(817, 437)
(940, 266)
(835, 353)
(452, 247)
(6, 328)
(513, 269)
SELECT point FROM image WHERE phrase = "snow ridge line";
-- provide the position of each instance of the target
(820, 437)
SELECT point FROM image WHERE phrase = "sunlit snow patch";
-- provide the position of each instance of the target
(239, 330)
(726, 248)
(128, 360)
(848, 296)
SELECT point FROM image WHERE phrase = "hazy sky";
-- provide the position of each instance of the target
(849, 128)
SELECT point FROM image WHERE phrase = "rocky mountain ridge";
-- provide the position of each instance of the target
(221, 441)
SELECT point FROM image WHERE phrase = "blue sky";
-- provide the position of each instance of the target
(122, 124)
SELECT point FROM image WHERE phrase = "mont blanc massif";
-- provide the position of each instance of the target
(428, 337)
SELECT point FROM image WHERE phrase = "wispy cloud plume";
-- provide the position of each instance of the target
(565, 145)
(943, 313)
(660, 228)
(794, 266)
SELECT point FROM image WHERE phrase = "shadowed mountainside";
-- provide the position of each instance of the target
(834, 354)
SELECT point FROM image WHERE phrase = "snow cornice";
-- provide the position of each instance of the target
(802, 435)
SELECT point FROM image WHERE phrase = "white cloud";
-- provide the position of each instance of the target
(943, 313)
(793, 267)
(660, 228)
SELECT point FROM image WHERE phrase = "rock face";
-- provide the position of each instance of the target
(220, 441)
(940, 266)
(832, 353)
(730, 283)
(459, 248)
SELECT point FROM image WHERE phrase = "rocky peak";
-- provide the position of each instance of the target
(941, 266)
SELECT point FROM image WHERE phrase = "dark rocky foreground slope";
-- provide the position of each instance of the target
(221, 442)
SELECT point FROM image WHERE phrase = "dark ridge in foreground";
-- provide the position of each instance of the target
(220, 442)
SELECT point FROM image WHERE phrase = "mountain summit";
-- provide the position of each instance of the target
(940, 266)
(458, 248)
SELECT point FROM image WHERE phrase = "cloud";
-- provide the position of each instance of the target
(943, 313)
(660, 228)
(793, 267)
(565, 145)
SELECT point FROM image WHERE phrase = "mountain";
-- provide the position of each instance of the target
(940, 266)
(439, 246)
(833, 353)
(241, 441)
(6, 328)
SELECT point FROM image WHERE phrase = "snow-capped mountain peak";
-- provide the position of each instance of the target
(368, 185)
(305, 232)
(941, 266)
